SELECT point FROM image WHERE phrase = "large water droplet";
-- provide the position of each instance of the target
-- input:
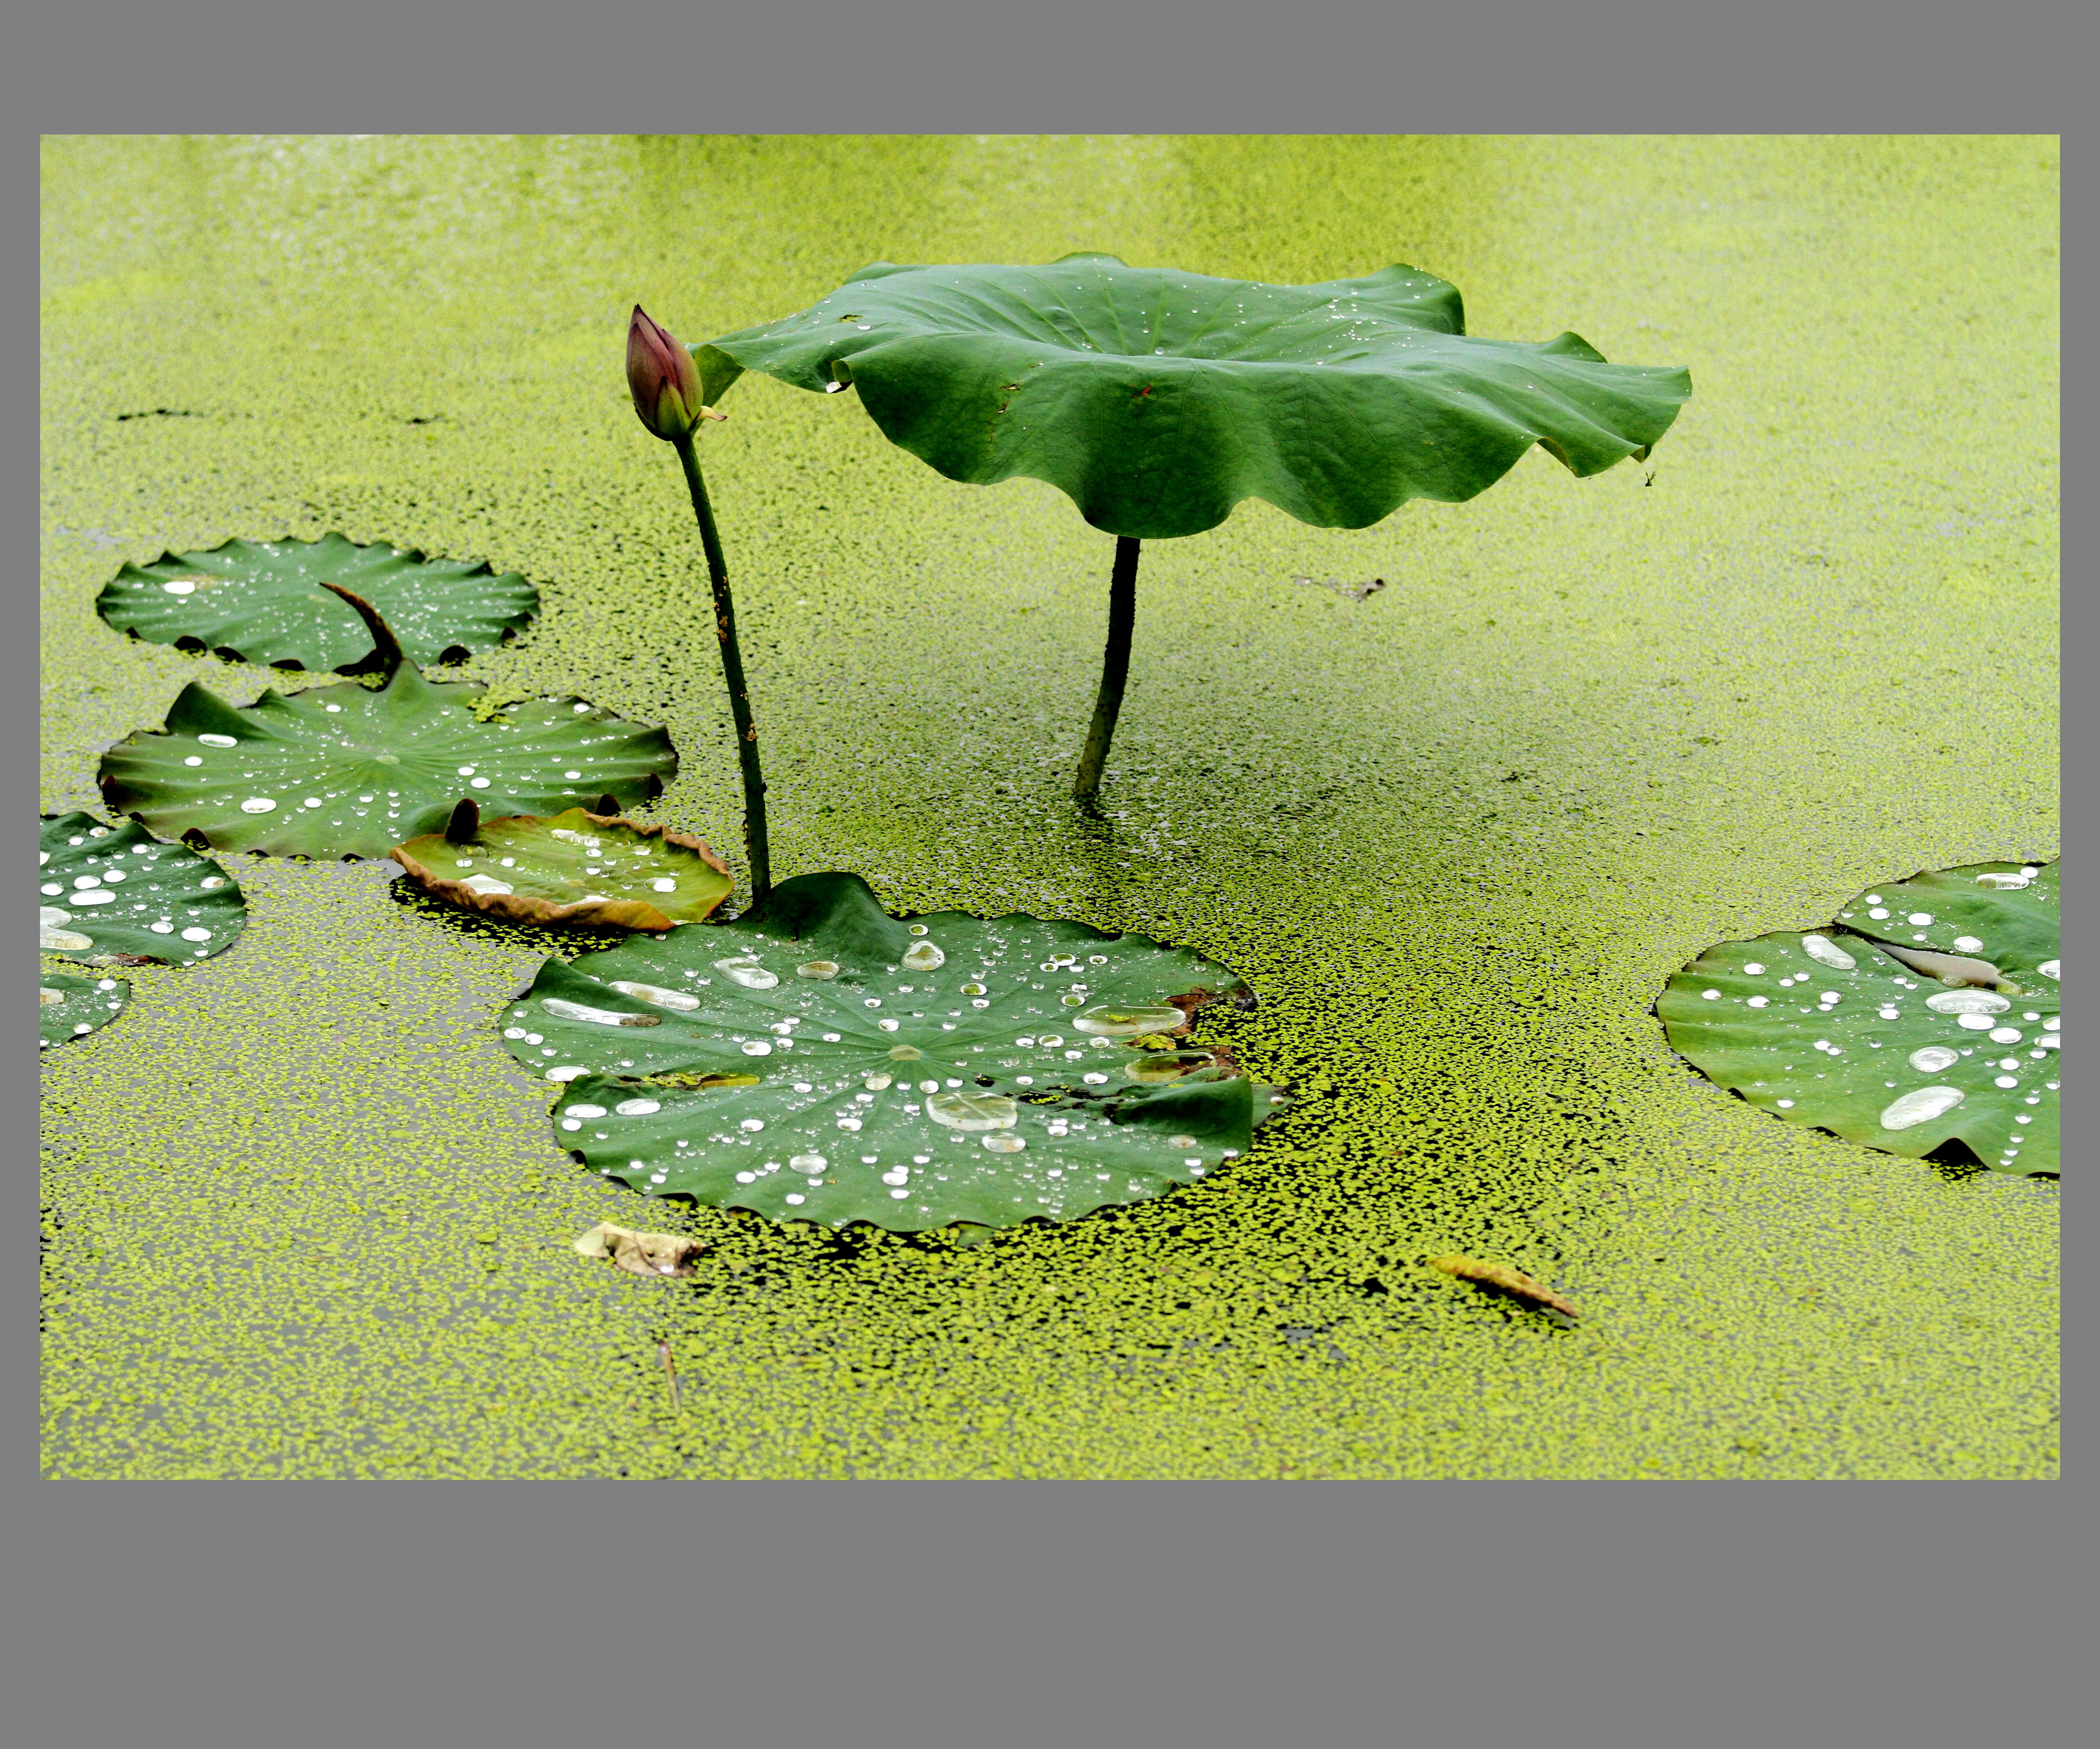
(970, 1112)
(217, 741)
(1155, 1067)
(757, 1047)
(818, 969)
(2003, 883)
(878, 1081)
(1921, 1105)
(564, 1010)
(2051, 969)
(656, 995)
(637, 1108)
(1003, 1142)
(1825, 952)
(1932, 1059)
(923, 956)
(1110, 1021)
(747, 972)
(263, 803)
(810, 1163)
(1967, 1002)
(905, 1054)
(487, 884)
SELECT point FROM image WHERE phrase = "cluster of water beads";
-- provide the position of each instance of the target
(109, 989)
(102, 882)
(820, 1003)
(424, 751)
(1973, 1010)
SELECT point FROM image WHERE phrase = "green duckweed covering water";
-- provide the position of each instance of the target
(304, 1217)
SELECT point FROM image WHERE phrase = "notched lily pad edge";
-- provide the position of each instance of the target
(375, 661)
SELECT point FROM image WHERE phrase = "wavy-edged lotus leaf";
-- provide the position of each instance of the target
(263, 601)
(1157, 400)
(344, 770)
(116, 893)
(71, 1007)
(576, 868)
(818, 1059)
(1826, 1029)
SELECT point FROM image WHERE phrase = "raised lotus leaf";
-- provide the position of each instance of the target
(266, 602)
(1957, 1041)
(818, 1059)
(344, 770)
(1159, 399)
(71, 1007)
(115, 893)
(578, 867)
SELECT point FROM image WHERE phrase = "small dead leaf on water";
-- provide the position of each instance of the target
(640, 1254)
(1503, 1276)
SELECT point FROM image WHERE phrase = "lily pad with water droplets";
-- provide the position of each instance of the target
(1827, 1029)
(263, 602)
(344, 770)
(1157, 399)
(116, 893)
(72, 1007)
(577, 868)
(910, 1074)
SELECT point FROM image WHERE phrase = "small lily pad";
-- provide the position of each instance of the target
(1832, 1029)
(265, 602)
(342, 770)
(578, 867)
(71, 1007)
(113, 893)
(910, 1074)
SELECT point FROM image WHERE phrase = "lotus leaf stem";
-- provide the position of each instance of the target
(755, 843)
(1115, 668)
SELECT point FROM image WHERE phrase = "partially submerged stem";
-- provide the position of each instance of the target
(1115, 668)
(732, 660)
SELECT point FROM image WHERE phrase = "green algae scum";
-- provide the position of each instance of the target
(304, 1214)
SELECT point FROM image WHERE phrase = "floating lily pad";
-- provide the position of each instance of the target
(1829, 1028)
(72, 1007)
(342, 770)
(1158, 399)
(818, 1059)
(116, 892)
(263, 601)
(578, 867)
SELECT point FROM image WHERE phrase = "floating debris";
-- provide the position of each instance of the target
(640, 1254)
(1512, 1281)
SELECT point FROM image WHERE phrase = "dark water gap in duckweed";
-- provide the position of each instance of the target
(1455, 967)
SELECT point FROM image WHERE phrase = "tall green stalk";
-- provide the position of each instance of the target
(1115, 668)
(755, 844)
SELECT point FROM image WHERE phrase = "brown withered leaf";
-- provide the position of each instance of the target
(560, 856)
(1509, 1281)
(1189, 1001)
(640, 1254)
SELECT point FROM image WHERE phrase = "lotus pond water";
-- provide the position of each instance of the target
(306, 1214)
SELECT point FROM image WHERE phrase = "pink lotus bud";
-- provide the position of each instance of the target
(663, 380)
